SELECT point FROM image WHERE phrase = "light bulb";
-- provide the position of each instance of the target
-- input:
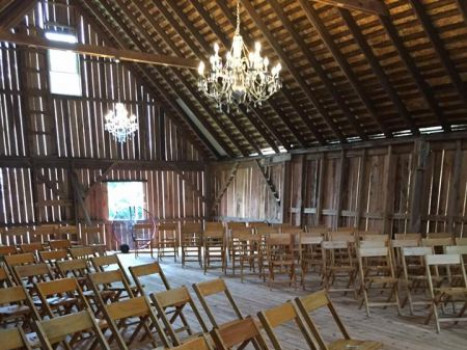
(201, 68)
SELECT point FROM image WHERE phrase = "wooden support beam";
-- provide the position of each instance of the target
(327, 39)
(99, 179)
(15, 12)
(177, 51)
(339, 189)
(389, 181)
(320, 192)
(421, 156)
(318, 69)
(374, 7)
(79, 197)
(288, 64)
(359, 190)
(224, 188)
(270, 184)
(378, 70)
(463, 8)
(94, 17)
(454, 190)
(440, 49)
(99, 51)
(423, 87)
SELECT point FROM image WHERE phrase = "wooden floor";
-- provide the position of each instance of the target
(395, 332)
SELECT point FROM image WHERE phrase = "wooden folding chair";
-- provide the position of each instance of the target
(64, 329)
(60, 297)
(281, 259)
(339, 266)
(51, 257)
(84, 253)
(191, 243)
(238, 335)
(15, 339)
(167, 240)
(414, 275)
(70, 233)
(118, 314)
(18, 259)
(316, 301)
(376, 269)
(28, 275)
(112, 262)
(196, 343)
(281, 315)
(16, 306)
(214, 246)
(94, 237)
(76, 268)
(34, 248)
(143, 237)
(445, 291)
(147, 273)
(310, 254)
(60, 244)
(110, 286)
(396, 250)
(216, 289)
(177, 299)
(245, 251)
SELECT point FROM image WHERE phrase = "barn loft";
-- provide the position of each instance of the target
(144, 154)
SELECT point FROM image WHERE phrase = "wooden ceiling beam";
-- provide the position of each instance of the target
(423, 87)
(318, 69)
(99, 51)
(328, 41)
(14, 12)
(378, 70)
(440, 49)
(463, 8)
(374, 7)
(177, 51)
(230, 16)
(99, 24)
(288, 64)
(118, 20)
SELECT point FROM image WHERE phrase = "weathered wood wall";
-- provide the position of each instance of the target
(54, 150)
(399, 186)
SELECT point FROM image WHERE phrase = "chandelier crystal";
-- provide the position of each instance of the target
(244, 78)
(118, 122)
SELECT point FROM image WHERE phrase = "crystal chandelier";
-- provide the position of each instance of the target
(121, 124)
(244, 78)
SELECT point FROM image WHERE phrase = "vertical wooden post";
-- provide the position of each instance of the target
(339, 189)
(421, 156)
(319, 200)
(359, 194)
(161, 134)
(388, 187)
(285, 203)
(454, 190)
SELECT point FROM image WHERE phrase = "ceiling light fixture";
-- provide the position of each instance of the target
(245, 77)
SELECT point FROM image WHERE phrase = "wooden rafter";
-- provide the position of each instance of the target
(440, 49)
(154, 47)
(313, 17)
(318, 69)
(291, 68)
(98, 23)
(177, 51)
(222, 37)
(100, 51)
(14, 12)
(378, 70)
(422, 85)
(375, 7)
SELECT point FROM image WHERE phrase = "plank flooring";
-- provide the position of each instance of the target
(384, 325)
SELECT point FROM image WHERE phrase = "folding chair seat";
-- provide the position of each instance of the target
(145, 275)
(51, 257)
(143, 237)
(167, 242)
(60, 297)
(76, 268)
(445, 291)
(94, 237)
(17, 339)
(377, 272)
(170, 306)
(216, 290)
(5, 278)
(16, 307)
(60, 244)
(214, 246)
(311, 303)
(69, 330)
(191, 243)
(119, 314)
(310, 255)
(282, 316)
(70, 233)
(281, 259)
(339, 266)
(112, 262)
(238, 335)
(414, 276)
(245, 250)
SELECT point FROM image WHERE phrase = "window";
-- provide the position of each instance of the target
(126, 200)
(64, 74)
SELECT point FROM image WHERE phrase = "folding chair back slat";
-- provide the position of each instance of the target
(14, 339)
(238, 335)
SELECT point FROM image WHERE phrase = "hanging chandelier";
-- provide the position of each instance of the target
(244, 78)
(118, 122)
